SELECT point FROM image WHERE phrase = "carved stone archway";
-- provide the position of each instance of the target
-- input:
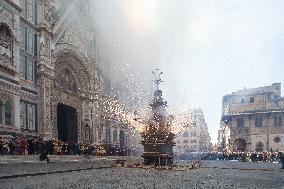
(71, 86)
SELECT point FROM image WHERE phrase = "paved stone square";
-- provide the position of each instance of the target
(86, 173)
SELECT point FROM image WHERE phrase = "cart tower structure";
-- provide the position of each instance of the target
(157, 138)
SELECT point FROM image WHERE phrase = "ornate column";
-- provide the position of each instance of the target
(95, 98)
(45, 68)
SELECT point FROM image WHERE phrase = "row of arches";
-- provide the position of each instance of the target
(260, 121)
(241, 145)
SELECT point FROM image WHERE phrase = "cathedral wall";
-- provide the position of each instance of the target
(40, 48)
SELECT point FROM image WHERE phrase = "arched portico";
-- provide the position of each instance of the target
(239, 144)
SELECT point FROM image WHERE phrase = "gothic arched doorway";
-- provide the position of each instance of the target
(67, 123)
(72, 87)
(240, 144)
(259, 146)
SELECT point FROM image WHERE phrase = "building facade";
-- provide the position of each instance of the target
(254, 118)
(193, 135)
(53, 80)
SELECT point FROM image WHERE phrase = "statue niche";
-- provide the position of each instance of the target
(66, 81)
(5, 43)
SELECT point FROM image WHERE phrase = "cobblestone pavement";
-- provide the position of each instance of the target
(212, 174)
(18, 165)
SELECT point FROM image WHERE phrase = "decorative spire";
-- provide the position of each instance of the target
(157, 73)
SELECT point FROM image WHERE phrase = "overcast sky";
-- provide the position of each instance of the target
(206, 48)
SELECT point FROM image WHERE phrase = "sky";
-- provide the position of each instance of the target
(206, 48)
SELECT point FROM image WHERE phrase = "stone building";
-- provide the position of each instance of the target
(53, 79)
(223, 140)
(255, 118)
(193, 135)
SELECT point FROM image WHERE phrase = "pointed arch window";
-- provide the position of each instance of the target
(31, 117)
(240, 122)
(6, 113)
(29, 9)
(28, 116)
(258, 121)
(28, 52)
(23, 115)
(277, 121)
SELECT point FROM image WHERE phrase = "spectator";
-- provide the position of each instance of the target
(281, 157)
(12, 147)
(90, 151)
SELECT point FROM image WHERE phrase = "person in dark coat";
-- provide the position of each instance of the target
(1, 146)
(69, 148)
(39, 146)
(90, 151)
(254, 157)
(12, 147)
(44, 153)
(77, 149)
(281, 156)
(30, 146)
(49, 147)
(44, 156)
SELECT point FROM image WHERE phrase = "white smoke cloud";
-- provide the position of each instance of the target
(206, 48)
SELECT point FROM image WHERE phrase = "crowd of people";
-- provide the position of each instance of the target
(36, 146)
(252, 156)
(39, 146)
(262, 156)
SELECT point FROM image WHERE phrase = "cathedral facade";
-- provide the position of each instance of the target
(53, 80)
